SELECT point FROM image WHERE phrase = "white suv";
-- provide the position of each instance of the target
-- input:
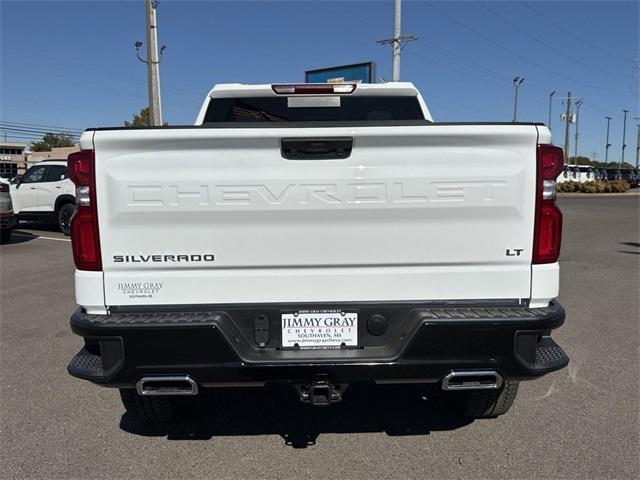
(45, 193)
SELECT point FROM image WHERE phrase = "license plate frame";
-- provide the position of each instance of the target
(318, 329)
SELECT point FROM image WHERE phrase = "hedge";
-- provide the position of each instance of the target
(615, 186)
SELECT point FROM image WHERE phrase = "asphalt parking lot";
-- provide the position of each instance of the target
(581, 422)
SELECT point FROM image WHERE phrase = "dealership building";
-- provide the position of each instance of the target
(12, 159)
(15, 159)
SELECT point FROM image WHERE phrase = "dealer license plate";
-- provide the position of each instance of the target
(319, 329)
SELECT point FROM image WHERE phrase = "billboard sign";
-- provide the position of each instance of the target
(358, 73)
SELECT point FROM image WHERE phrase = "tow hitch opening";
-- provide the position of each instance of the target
(320, 393)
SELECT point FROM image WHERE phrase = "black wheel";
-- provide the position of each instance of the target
(5, 236)
(65, 212)
(484, 403)
(150, 409)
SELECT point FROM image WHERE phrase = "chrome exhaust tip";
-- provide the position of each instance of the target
(472, 380)
(176, 385)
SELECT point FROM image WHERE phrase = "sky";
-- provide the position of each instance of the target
(72, 64)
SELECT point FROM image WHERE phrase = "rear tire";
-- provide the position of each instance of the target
(149, 409)
(65, 212)
(484, 403)
(5, 236)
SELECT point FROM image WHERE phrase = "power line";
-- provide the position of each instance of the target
(20, 124)
(39, 130)
(450, 101)
(571, 34)
(22, 135)
(99, 72)
(595, 106)
(453, 69)
(433, 99)
(6, 137)
(32, 133)
(511, 52)
(479, 67)
(39, 133)
(450, 54)
(26, 136)
(544, 44)
(116, 92)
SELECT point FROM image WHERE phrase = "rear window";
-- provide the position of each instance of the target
(276, 109)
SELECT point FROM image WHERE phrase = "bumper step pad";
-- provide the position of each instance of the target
(98, 363)
(549, 355)
(86, 365)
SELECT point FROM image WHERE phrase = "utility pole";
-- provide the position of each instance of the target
(624, 134)
(578, 103)
(517, 81)
(397, 41)
(152, 61)
(395, 51)
(607, 145)
(567, 120)
(550, 102)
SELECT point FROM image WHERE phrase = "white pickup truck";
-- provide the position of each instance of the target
(317, 235)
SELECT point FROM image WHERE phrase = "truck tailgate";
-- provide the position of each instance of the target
(218, 216)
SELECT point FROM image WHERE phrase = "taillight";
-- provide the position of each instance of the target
(547, 231)
(85, 238)
(314, 88)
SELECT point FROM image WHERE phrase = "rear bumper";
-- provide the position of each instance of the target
(219, 347)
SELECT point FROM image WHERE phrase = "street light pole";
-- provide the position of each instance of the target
(550, 102)
(624, 134)
(517, 81)
(607, 145)
(638, 144)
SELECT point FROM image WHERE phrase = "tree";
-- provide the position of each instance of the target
(579, 160)
(140, 120)
(52, 140)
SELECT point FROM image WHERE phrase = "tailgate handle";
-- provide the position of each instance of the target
(335, 148)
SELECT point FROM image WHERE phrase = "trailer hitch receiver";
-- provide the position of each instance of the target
(320, 393)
